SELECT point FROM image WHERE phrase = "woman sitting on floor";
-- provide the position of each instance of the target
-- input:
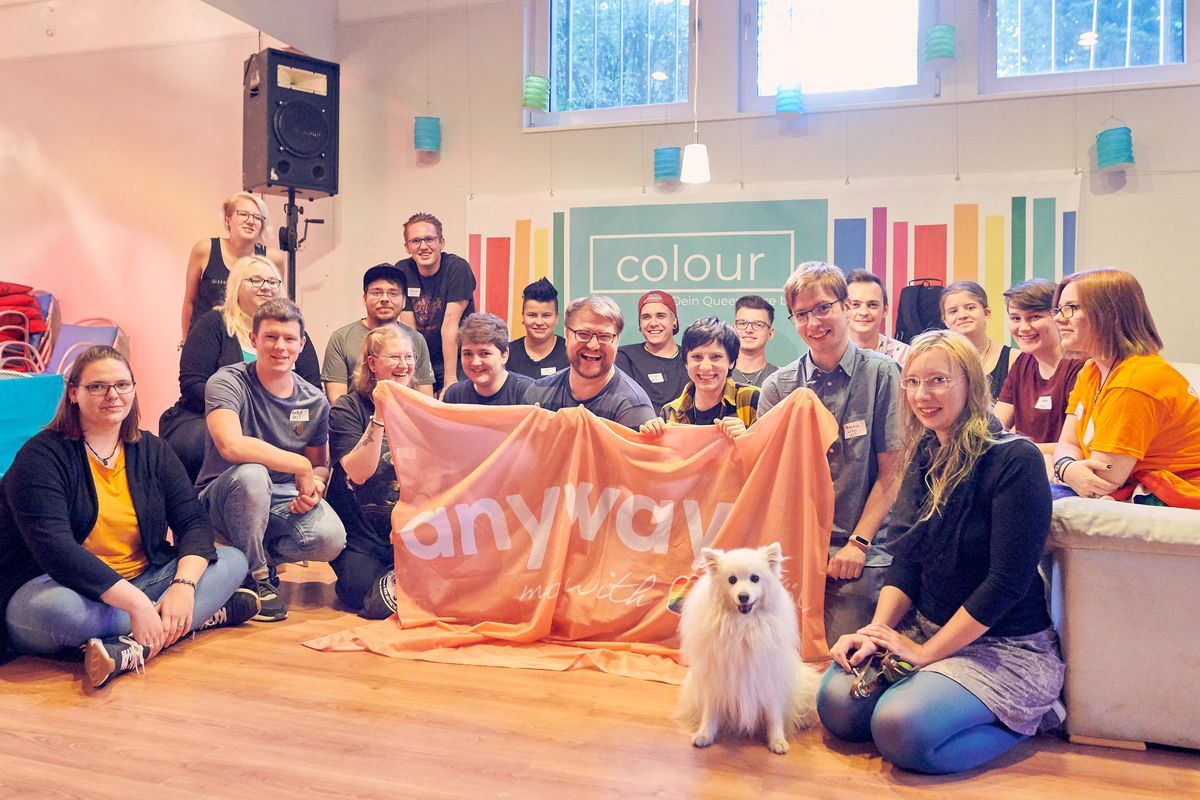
(1133, 427)
(962, 602)
(84, 556)
(710, 397)
(363, 488)
(218, 339)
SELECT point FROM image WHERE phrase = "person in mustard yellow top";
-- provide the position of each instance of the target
(84, 556)
(1133, 423)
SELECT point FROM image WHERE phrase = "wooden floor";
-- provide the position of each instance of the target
(248, 712)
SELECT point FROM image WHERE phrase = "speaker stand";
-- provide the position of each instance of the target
(293, 213)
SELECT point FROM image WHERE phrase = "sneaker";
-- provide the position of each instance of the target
(380, 600)
(271, 607)
(105, 658)
(242, 605)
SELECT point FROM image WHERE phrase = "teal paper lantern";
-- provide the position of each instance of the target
(1114, 148)
(537, 93)
(427, 134)
(667, 163)
(789, 101)
(939, 42)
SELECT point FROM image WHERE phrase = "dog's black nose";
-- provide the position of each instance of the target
(743, 598)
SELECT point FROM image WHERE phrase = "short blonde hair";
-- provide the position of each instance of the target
(602, 307)
(237, 322)
(229, 205)
(363, 381)
(815, 275)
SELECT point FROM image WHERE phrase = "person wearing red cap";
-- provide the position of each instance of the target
(657, 363)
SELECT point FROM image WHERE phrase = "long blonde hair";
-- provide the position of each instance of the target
(971, 436)
(237, 322)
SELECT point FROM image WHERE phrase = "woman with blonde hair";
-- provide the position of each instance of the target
(363, 487)
(1133, 422)
(972, 664)
(219, 338)
(247, 226)
(84, 556)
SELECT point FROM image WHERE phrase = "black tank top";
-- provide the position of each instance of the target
(999, 372)
(211, 292)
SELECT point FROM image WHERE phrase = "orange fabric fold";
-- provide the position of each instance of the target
(547, 540)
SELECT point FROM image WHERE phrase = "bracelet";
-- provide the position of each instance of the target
(184, 582)
(861, 542)
(376, 422)
(1060, 467)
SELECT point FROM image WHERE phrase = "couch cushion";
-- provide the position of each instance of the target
(1106, 524)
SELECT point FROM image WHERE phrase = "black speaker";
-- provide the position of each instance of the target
(290, 124)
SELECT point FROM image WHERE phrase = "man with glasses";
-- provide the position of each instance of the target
(754, 320)
(383, 298)
(593, 328)
(860, 388)
(440, 295)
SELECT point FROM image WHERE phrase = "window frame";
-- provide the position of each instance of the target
(990, 85)
(537, 62)
(926, 88)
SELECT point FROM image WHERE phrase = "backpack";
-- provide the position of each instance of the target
(919, 308)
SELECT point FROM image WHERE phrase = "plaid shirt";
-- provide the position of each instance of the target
(739, 400)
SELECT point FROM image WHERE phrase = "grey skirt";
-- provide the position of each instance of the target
(1019, 678)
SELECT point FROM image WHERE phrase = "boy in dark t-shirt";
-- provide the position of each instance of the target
(483, 347)
(656, 364)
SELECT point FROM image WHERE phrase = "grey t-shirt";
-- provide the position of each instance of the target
(289, 423)
(861, 392)
(341, 354)
(756, 378)
(621, 400)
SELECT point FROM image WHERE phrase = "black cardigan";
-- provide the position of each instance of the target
(48, 507)
(209, 347)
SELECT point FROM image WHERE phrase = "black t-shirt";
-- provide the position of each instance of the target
(709, 415)
(512, 393)
(520, 362)
(662, 379)
(365, 510)
(427, 299)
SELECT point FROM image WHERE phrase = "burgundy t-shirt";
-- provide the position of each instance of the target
(1039, 405)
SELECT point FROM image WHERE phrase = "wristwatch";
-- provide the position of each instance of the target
(861, 542)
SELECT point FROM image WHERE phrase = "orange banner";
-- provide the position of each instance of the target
(552, 540)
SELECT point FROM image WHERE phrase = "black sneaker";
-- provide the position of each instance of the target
(380, 601)
(242, 605)
(105, 658)
(271, 607)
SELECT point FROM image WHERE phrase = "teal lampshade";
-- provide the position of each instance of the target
(537, 93)
(667, 163)
(789, 101)
(939, 42)
(427, 134)
(1114, 148)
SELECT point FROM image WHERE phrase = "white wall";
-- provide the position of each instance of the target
(114, 159)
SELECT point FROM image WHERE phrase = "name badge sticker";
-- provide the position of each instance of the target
(299, 415)
(414, 291)
(656, 377)
(1044, 403)
(853, 430)
(548, 371)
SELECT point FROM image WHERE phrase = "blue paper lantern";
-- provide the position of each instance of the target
(667, 163)
(1114, 148)
(789, 101)
(939, 42)
(427, 134)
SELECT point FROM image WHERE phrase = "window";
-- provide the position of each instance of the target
(846, 52)
(1048, 44)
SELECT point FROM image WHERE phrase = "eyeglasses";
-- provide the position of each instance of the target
(101, 389)
(751, 325)
(258, 282)
(394, 360)
(429, 240)
(583, 337)
(379, 294)
(819, 311)
(1067, 311)
(880, 671)
(938, 383)
(247, 215)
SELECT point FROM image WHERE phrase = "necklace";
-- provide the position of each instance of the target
(656, 355)
(753, 378)
(99, 457)
(984, 356)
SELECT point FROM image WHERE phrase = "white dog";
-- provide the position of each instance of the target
(741, 639)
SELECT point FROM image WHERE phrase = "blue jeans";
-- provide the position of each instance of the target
(252, 513)
(44, 617)
(926, 723)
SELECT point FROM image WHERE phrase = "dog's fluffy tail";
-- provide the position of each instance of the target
(803, 711)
